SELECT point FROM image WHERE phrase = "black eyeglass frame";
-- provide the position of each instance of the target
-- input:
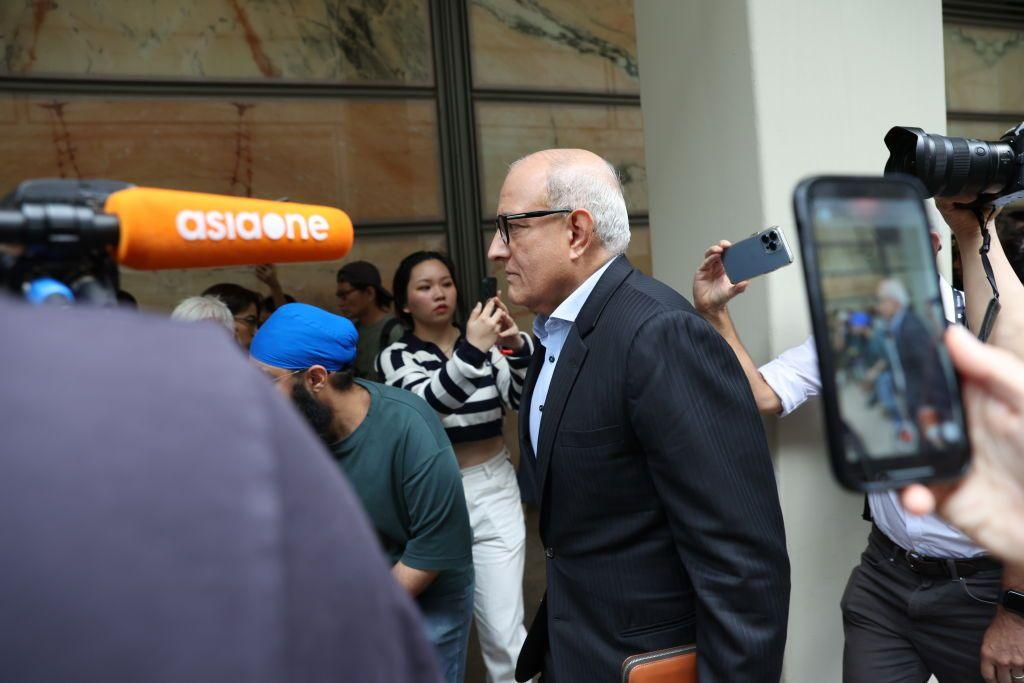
(503, 219)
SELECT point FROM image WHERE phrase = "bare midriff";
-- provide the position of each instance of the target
(477, 452)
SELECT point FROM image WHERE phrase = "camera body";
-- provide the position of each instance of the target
(950, 166)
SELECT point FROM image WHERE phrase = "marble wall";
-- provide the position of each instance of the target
(508, 131)
(344, 41)
(984, 68)
(554, 45)
(377, 160)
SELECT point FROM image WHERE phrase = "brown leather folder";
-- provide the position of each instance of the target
(674, 665)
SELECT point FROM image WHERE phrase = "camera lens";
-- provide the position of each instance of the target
(949, 166)
(773, 236)
(764, 239)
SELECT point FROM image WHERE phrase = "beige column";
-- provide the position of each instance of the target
(742, 99)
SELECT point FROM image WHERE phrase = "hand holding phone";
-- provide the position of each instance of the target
(759, 254)
(892, 401)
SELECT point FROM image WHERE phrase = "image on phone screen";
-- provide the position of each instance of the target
(881, 307)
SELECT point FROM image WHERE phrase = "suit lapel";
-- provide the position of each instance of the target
(574, 352)
(570, 360)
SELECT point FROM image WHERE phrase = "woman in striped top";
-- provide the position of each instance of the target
(469, 378)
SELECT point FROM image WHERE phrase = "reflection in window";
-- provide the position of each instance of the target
(554, 45)
(506, 132)
(377, 160)
(343, 41)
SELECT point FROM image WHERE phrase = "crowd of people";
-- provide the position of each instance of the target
(641, 443)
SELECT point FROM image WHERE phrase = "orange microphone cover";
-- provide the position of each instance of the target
(175, 229)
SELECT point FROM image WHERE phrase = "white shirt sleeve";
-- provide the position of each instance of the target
(794, 375)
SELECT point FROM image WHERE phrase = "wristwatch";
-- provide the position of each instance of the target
(1013, 601)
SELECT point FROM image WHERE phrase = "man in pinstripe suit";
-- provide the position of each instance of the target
(658, 506)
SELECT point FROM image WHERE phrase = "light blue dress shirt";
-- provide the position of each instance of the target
(794, 377)
(552, 331)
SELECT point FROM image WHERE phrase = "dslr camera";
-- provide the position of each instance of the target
(948, 166)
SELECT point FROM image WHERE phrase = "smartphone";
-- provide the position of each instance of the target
(488, 289)
(760, 253)
(893, 411)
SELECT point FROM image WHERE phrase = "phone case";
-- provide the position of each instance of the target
(853, 478)
(760, 253)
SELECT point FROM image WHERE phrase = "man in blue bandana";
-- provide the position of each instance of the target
(393, 449)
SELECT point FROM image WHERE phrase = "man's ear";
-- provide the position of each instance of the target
(936, 241)
(316, 378)
(582, 233)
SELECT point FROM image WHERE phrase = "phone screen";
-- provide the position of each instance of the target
(892, 390)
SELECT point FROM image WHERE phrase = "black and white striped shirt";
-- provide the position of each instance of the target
(469, 391)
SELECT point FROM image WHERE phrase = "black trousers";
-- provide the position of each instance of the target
(903, 628)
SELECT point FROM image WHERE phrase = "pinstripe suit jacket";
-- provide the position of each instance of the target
(658, 505)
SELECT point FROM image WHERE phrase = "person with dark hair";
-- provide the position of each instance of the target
(397, 458)
(244, 305)
(468, 379)
(269, 304)
(363, 300)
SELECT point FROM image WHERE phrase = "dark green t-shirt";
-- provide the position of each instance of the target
(368, 345)
(403, 468)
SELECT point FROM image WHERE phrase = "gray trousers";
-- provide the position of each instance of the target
(903, 628)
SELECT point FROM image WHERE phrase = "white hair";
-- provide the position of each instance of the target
(199, 308)
(576, 184)
(893, 289)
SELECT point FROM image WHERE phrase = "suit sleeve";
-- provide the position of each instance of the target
(691, 408)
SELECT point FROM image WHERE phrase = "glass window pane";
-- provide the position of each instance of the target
(312, 283)
(506, 132)
(377, 160)
(343, 41)
(554, 45)
(983, 69)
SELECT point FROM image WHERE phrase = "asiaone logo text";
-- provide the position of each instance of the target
(250, 225)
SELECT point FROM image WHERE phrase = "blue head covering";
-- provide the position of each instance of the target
(298, 336)
(860, 319)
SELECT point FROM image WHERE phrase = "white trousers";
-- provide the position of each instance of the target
(499, 552)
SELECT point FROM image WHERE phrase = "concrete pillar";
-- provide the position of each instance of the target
(741, 99)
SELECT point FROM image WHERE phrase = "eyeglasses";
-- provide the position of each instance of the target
(281, 377)
(344, 293)
(249, 320)
(503, 220)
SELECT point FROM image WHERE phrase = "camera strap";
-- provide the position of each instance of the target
(992, 311)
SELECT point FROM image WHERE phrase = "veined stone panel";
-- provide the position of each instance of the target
(554, 45)
(340, 41)
(507, 131)
(984, 69)
(312, 283)
(377, 160)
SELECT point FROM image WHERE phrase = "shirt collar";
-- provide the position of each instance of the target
(568, 310)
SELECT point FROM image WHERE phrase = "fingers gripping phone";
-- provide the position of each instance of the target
(760, 253)
(893, 412)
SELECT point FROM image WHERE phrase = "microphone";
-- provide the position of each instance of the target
(175, 229)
